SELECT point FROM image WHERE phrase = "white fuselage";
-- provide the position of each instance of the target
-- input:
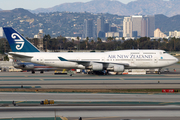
(135, 59)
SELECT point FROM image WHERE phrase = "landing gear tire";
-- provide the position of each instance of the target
(41, 72)
(33, 72)
(159, 71)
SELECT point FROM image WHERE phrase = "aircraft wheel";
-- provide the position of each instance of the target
(33, 72)
(42, 72)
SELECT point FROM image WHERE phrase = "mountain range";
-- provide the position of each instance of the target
(69, 23)
(144, 7)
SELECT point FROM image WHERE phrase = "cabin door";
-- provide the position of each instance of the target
(41, 60)
(155, 60)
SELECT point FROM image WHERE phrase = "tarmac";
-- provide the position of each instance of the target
(48, 80)
(97, 106)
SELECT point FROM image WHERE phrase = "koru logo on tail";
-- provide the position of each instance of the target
(18, 40)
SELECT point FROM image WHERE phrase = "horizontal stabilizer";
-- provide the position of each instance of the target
(19, 55)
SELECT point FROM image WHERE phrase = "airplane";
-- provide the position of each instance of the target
(116, 61)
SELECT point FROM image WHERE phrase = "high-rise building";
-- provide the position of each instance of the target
(127, 27)
(148, 26)
(100, 26)
(136, 24)
(40, 39)
(88, 28)
(144, 27)
(106, 27)
(151, 25)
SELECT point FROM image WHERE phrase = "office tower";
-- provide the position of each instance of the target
(127, 27)
(100, 26)
(88, 28)
(106, 27)
(148, 26)
(151, 25)
(40, 39)
(144, 27)
(136, 23)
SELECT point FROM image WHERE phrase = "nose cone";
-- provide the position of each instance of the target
(177, 60)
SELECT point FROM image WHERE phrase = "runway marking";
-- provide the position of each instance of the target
(20, 79)
(80, 79)
(165, 102)
(97, 118)
(63, 118)
(152, 78)
(42, 79)
(19, 101)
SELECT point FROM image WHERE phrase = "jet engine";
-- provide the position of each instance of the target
(97, 66)
(116, 68)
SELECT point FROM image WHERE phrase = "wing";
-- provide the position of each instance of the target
(87, 62)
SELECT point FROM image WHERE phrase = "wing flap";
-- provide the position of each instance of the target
(81, 62)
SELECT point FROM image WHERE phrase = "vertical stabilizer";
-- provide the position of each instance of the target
(17, 42)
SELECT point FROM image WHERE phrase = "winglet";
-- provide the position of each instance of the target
(17, 42)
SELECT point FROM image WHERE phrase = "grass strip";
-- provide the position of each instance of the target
(149, 91)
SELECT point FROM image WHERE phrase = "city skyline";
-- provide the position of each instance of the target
(34, 4)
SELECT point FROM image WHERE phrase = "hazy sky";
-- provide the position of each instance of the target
(33, 4)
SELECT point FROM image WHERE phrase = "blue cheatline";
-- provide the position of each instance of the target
(17, 42)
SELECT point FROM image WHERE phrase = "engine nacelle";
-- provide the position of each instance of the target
(97, 66)
(116, 68)
(119, 68)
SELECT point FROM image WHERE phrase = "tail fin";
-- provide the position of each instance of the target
(17, 42)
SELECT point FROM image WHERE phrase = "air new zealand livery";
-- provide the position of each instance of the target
(115, 61)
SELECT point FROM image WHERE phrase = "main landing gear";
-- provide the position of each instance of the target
(33, 72)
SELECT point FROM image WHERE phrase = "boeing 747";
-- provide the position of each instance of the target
(116, 61)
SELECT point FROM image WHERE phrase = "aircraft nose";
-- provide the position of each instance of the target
(177, 60)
